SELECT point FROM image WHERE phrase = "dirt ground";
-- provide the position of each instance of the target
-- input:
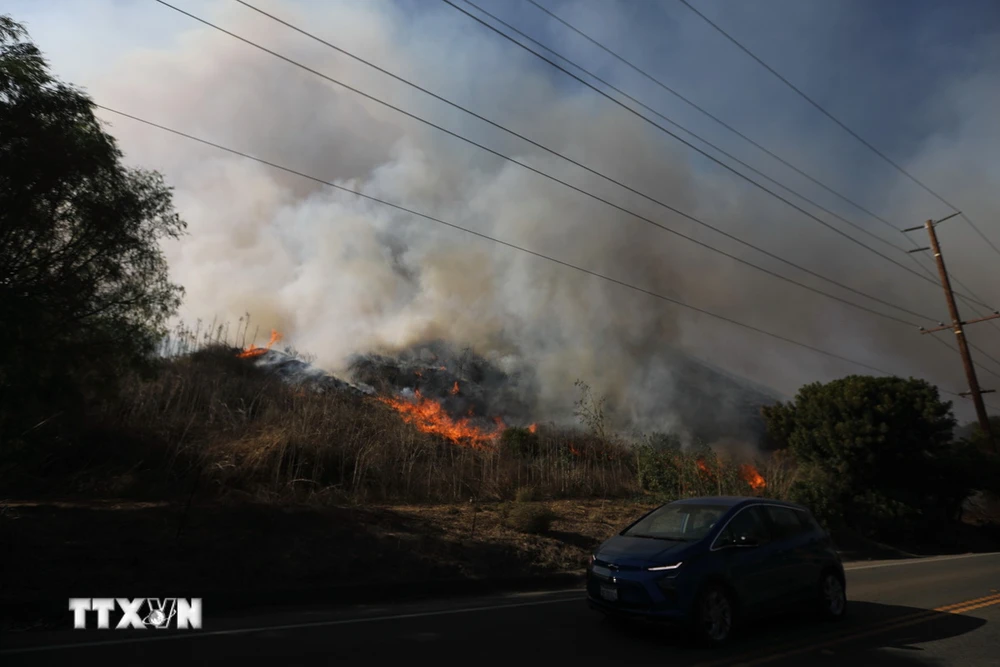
(50, 551)
(56, 550)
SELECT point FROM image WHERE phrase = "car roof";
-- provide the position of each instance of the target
(725, 501)
(734, 501)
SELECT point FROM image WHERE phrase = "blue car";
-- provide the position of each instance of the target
(710, 562)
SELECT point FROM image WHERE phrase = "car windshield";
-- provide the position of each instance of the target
(682, 522)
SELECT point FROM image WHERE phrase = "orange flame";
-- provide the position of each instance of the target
(533, 428)
(429, 417)
(752, 476)
(454, 390)
(573, 450)
(254, 351)
(702, 466)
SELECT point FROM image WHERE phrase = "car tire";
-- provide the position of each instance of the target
(832, 597)
(714, 616)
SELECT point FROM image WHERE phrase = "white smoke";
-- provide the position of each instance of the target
(338, 275)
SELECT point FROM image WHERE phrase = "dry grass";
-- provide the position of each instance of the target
(218, 420)
(670, 473)
(781, 472)
(530, 518)
(213, 424)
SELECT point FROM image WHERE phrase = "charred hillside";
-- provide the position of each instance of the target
(485, 390)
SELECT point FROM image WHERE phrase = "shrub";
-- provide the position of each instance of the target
(820, 491)
(657, 471)
(876, 453)
(667, 472)
(525, 494)
(530, 518)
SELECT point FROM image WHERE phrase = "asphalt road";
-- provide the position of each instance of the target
(938, 611)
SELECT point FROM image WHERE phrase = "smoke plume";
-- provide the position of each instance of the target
(340, 276)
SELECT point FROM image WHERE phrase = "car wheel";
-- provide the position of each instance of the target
(832, 598)
(714, 615)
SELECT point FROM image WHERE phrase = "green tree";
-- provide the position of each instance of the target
(872, 449)
(84, 290)
(978, 437)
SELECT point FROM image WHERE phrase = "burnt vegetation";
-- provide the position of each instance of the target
(212, 416)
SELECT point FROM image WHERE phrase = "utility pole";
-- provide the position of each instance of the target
(957, 325)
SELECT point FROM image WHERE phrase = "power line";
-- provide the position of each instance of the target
(979, 366)
(842, 125)
(818, 350)
(988, 356)
(707, 113)
(929, 277)
(958, 327)
(578, 189)
(583, 166)
(684, 129)
(657, 125)
(973, 305)
(399, 207)
(798, 170)
(956, 351)
(569, 159)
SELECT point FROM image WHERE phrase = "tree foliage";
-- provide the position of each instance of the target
(84, 288)
(873, 449)
(978, 437)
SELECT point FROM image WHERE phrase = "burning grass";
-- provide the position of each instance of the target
(429, 416)
(214, 422)
(670, 472)
(254, 351)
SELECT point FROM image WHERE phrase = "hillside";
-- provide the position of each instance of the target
(706, 402)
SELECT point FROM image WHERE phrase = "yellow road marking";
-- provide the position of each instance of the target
(975, 606)
(797, 648)
(950, 607)
(895, 624)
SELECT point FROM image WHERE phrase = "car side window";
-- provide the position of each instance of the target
(785, 521)
(747, 522)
